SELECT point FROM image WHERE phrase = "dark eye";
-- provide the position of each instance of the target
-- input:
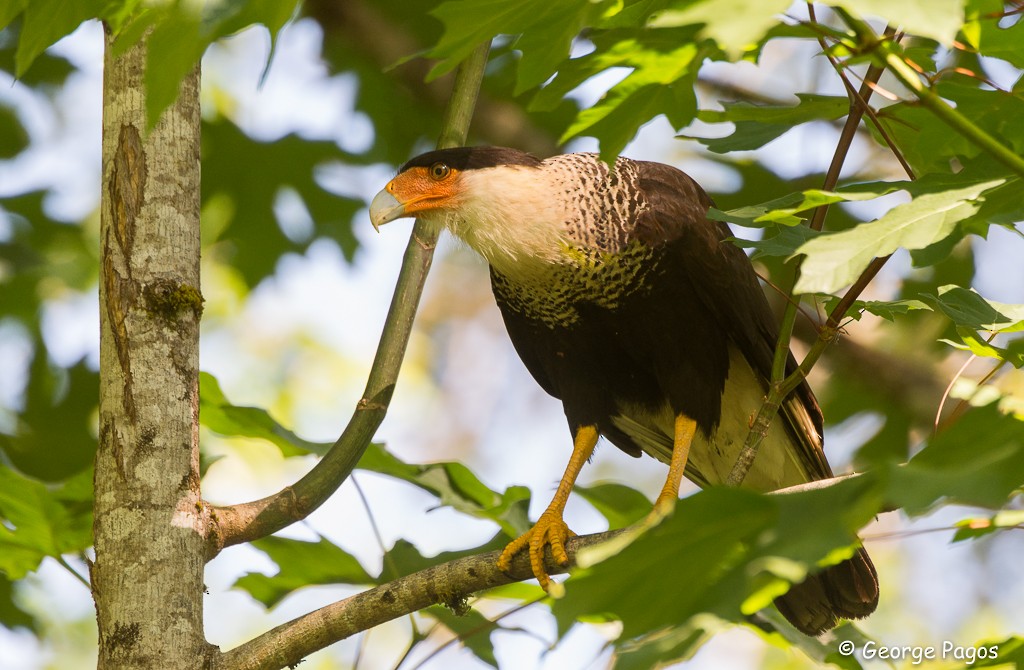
(439, 171)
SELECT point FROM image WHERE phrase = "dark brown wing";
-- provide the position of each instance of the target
(728, 287)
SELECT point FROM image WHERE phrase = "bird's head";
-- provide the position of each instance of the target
(502, 202)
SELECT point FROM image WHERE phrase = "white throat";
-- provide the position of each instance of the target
(512, 216)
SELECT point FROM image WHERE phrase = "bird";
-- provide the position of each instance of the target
(627, 303)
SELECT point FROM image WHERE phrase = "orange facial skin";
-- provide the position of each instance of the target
(425, 188)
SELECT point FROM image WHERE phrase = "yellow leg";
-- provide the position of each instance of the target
(684, 430)
(550, 529)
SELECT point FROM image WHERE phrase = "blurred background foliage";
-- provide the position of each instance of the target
(307, 116)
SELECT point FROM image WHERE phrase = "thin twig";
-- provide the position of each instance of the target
(884, 53)
(77, 575)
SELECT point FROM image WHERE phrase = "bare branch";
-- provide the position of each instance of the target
(249, 521)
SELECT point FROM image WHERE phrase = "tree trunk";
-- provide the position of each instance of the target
(148, 574)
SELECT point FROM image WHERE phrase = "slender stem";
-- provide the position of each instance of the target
(858, 106)
(75, 573)
(249, 521)
(884, 51)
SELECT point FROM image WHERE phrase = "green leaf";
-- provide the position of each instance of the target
(661, 83)
(621, 505)
(404, 558)
(220, 416)
(473, 630)
(979, 460)
(834, 260)
(1008, 653)
(37, 521)
(548, 29)
(11, 615)
(54, 436)
(968, 308)
(938, 19)
(779, 242)
(975, 527)
(736, 25)
(253, 232)
(733, 550)
(784, 210)
(13, 138)
(887, 309)
(984, 33)
(757, 124)
(9, 11)
(301, 564)
(46, 22)
(457, 487)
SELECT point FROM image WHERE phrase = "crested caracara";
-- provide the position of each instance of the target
(629, 305)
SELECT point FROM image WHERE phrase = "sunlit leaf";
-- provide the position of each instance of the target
(736, 25)
(301, 564)
(937, 19)
(456, 486)
(835, 260)
(218, 414)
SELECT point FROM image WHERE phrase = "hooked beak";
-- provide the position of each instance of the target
(385, 208)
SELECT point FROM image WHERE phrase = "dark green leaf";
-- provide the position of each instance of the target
(38, 521)
(11, 615)
(456, 486)
(404, 558)
(220, 416)
(45, 22)
(290, 162)
(757, 125)
(549, 29)
(13, 138)
(301, 564)
(979, 460)
(54, 438)
(620, 504)
(781, 242)
(967, 308)
(473, 630)
(734, 551)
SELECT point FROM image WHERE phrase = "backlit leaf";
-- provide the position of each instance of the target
(837, 259)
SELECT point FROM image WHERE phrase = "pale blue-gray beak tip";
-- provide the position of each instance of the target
(385, 208)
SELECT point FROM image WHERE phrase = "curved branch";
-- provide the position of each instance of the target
(245, 522)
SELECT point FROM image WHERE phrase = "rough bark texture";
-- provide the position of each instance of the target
(148, 575)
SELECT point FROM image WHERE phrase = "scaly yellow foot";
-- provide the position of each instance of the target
(685, 429)
(550, 530)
